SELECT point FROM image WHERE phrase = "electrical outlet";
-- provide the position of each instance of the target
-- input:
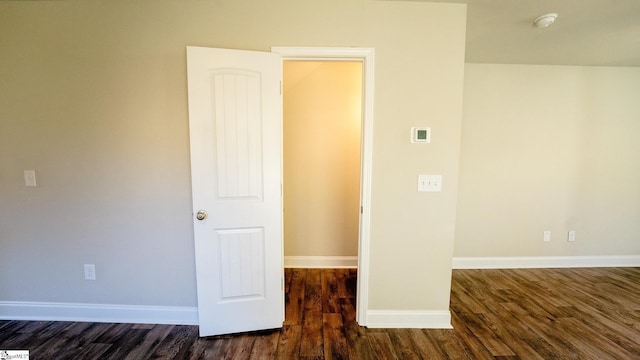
(30, 178)
(89, 272)
(571, 236)
(547, 236)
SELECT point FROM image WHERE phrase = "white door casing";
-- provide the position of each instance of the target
(366, 55)
(235, 125)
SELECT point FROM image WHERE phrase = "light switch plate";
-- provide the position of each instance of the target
(429, 183)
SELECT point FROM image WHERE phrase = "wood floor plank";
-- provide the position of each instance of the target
(462, 289)
(382, 346)
(356, 336)
(347, 280)
(615, 325)
(113, 333)
(217, 347)
(330, 299)
(311, 341)
(288, 272)
(90, 352)
(87, 335)
(240, 347)
(8, 325)
(472, 344)
(594, 344)
(126, 343)
(424, 346)
(197, 350)
(50, 348)
(21, 341)
(183, 347)
(515, 338)
(516, 334)
(335, 343)
(617, 332)
(265, 346)
(403, 344)
(33, 327)
(562, 347)
(154, 337)
(528, 309)
(53, 341)
(181, 344)
(477, 324)
(448, 343)
(294, 298)
(289, 343)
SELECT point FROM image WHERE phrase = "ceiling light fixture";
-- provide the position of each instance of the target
(545, 20)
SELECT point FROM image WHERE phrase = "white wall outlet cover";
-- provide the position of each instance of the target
(420, 135)
(89, 272)
(30, 178)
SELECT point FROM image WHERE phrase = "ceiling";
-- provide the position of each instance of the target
(587, 32)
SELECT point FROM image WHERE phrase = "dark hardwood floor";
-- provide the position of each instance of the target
(589, 313)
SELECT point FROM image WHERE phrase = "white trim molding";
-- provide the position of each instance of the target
(525, 262)
(321, 262)
(367, 56)
(133, 314)
(409, 319)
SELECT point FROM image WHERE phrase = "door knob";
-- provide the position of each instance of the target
(201, 215)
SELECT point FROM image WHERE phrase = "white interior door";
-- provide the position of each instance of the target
(235, 122)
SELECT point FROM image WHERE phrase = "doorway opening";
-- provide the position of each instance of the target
(364, 57)
(322, 123)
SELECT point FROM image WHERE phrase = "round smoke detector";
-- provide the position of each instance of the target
(545, 20)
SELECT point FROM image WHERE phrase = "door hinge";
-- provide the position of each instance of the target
(361, 210)
(280, 87)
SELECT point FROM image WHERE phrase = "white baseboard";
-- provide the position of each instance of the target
(409, 319)
(524, 262)
(327, 262)
(134, 314)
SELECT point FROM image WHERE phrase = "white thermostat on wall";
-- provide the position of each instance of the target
(420, 135)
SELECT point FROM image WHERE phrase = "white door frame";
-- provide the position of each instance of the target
(366, 55)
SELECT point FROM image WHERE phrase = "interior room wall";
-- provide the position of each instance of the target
(322, 117)
(94, 99)
(549, 148)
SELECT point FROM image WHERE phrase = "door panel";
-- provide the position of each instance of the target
(236, 97)
(235, 126)
(242, 264)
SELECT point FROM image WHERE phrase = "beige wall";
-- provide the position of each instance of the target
(322, 109)
(94, 99)
(549, 148)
